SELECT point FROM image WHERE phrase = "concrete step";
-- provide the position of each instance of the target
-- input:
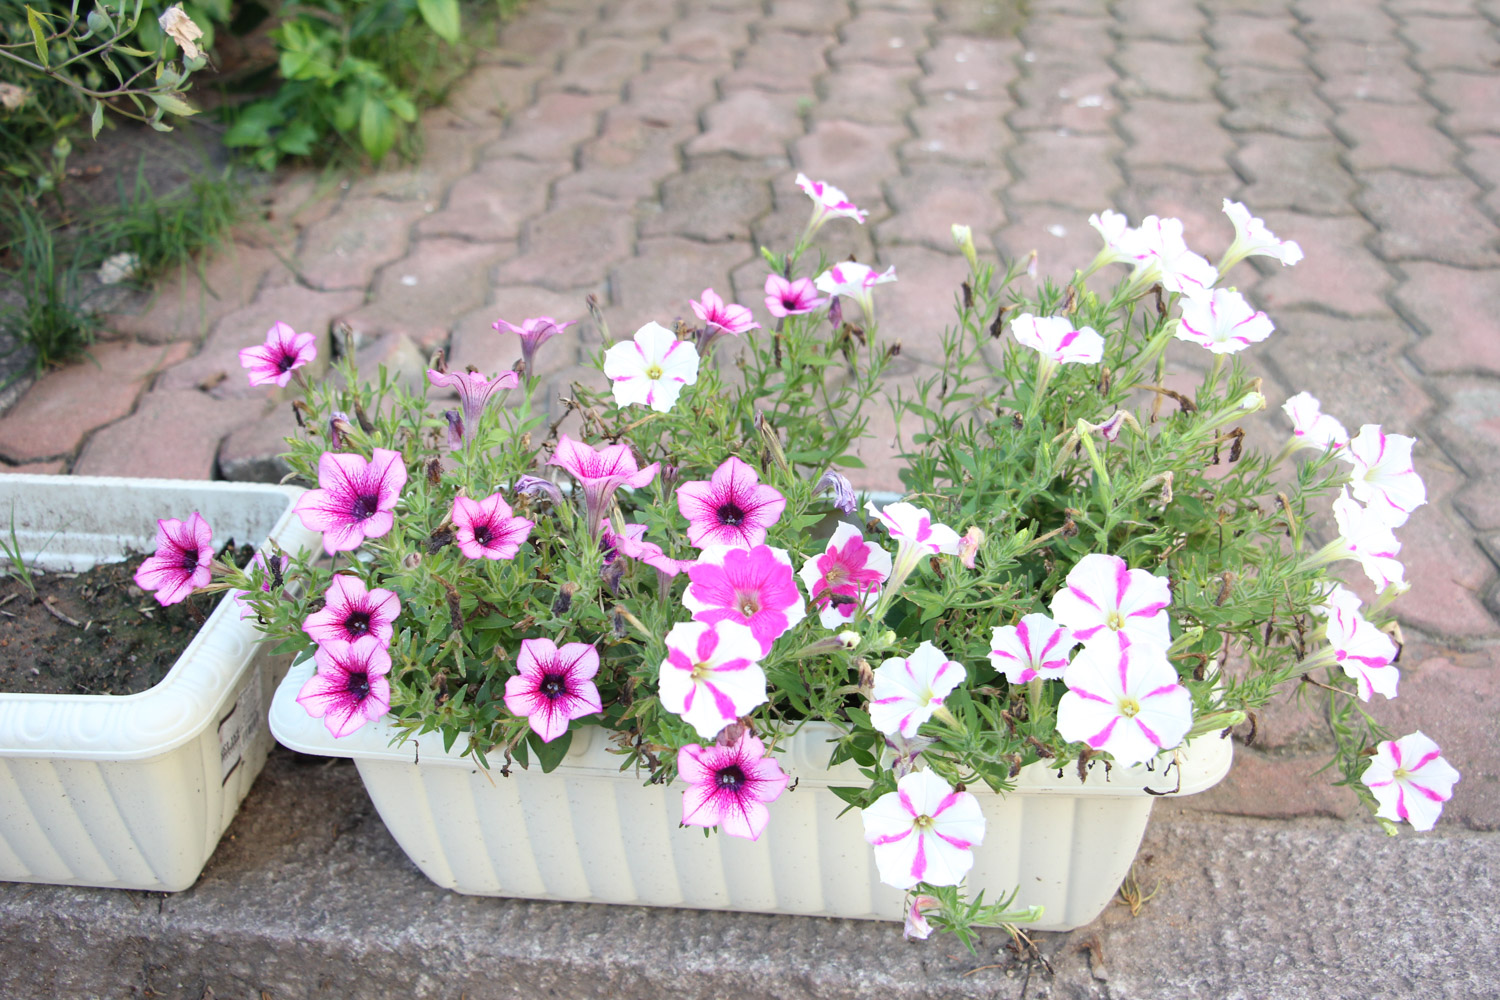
(308, 898)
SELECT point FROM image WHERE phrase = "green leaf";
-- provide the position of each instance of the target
(377, 129)
(96, 120)
(549, 755)
(849, 462)
(442, 17)
(38, 34)
(174, 104)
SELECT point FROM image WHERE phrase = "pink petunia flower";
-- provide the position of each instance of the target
(1311, 427)
(1251, 237)
(733, 507)
(180, 564)
(791, 298)
(855, 281)
(1365, 653)
(1124, 697)
(1034, 647)
(1222, 321)
(1161, 255)
(1410, 780)
(850, 569)
(555, 685)
(723, 317)
(711, 675)
(651, 368)
(753, 587)
(1103, 594)
(474, 393)
(284, 351)
(354, 498)
(1382, 475)
(1055, 339)
(729, 786)
(534, 333)
(909, 689)
(485, 529)
(924, 831)
(350, 687)
(351, 612)
(600, 473)
(828, 203)
(267, 578)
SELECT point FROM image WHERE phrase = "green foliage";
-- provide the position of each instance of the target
(52, 319)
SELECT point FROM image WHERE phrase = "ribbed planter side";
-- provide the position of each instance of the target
(134, 791)
(588, 833)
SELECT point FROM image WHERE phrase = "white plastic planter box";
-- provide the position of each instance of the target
(134, 791)
(589, 833)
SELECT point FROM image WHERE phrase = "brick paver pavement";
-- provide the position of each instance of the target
(641, 150)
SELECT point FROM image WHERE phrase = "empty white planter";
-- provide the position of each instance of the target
(589, 833)
(134, 791)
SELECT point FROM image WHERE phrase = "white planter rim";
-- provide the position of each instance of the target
(172, 712)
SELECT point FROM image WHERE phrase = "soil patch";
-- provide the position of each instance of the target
(94, 632)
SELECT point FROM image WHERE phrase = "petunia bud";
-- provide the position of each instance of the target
(455, 429)
(1252, 401)
(339, 430)
(412, 561)
(866, 675)
(849, 639)
(836, 312)
(435, 472)
(1111, 428)
(963, 237)
(540, 489)
(439, 362)
(564, 599)
(772, 439)
(844, 497)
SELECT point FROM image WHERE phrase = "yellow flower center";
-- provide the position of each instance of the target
(701, 670)
(654, 372)
(924, 822)
(1129, 708)
(1115, 621)
(1400, 773)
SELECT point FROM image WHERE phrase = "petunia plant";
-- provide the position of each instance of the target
(1090, 567)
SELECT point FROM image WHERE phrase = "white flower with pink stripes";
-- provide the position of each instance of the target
(1363, 651)
(1410, 780)
(1102, 594)
(1366, 536)
(1382, 476)
(1124, 698)
(1252, 238)
(1161, 254)
(651, 368)
(1056, 340)
(908, 690)
(1311, 427)
(924, 831)
(1034, 647)
(1222, 321)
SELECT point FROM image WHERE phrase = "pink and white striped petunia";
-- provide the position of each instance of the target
(924, 831)
(555, 685)
(599, 473)
(1034, 647)
(1222, 321)
(354, 498)
(1383, 477)
(917, 537)
(351, 612)
(1115, 230)
(1055, 339)
(1366, 536)
(711, 675)
(1102, 595)
(909, 689)
(729, 786)
(1410, 780)
(1251, 237)
(753, 587)
(732, 507)
(1161, 255)
(534, 333)
(1311, 427)
(1363, 651)
(855, 281)
(485, 529)
(1124, 698)
(474, 393)
(180, 564)
(791, 298)
(284, 351)
(845, 576)
(350, 687)
(651, 368)
(828, 203)
(723, 317)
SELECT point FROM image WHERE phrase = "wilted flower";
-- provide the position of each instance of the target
(908, 690)
(855, 281)
(1222, 321)
(1410, 780)
(258, 561)
(180, 563)
(651, 368)
(350, 687)
(844, 497)
(711, 675)
(923, 832)
(733, 507)
(354, 498)
(1124, 697)
(1251, 237)
(351, 612)
(849, 567)
(485, 529)
(284, 351)
(555, 685)
(729, 786)
(916, 927)
(753, 587)
(181, 29)
(791, 298)
(968, 545)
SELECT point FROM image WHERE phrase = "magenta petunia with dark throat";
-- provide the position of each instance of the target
(350, 612)
(284, 351)
(729, 786)
(354, 499)
(733, 507)
(555, 685)
(485, 529)
(350, 687)
(180, 565)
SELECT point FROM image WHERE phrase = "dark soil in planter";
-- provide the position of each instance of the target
(94, 632)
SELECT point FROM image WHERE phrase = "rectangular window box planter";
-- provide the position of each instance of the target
(589, 833)
(134, 791)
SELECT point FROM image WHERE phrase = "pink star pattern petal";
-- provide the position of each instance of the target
(731, 508)
(354, 498)
(729, 786)
(180, 564)
(555, 685)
